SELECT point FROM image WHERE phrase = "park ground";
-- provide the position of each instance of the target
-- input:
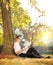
(13, 60)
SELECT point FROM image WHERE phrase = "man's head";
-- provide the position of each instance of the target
(18, 38)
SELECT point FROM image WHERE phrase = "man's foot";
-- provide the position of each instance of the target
(48, 57)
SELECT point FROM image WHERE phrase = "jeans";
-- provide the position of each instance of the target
(31, 53)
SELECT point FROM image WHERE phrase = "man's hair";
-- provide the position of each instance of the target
(18, 36)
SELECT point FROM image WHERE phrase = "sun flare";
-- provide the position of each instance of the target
(45, 37)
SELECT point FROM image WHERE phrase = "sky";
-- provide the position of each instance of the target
(46, 5)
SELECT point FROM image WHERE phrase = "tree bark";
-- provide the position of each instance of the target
(7, 27)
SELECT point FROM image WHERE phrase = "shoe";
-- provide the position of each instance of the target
(48, 57)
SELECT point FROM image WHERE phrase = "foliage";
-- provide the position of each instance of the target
(34, 3)
(1, 36)
(20, 18)
(43, 36)
(1, 30)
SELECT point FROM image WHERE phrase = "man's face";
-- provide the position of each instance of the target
(18, 39)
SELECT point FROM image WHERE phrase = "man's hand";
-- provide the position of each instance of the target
(18, 52)
(23, 49)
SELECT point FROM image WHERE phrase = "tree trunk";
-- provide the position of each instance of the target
(7, 27)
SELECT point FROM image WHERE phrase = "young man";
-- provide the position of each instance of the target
(31, 53)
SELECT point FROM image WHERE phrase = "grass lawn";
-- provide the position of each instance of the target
(26, 61)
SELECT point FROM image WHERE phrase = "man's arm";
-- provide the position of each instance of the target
(18, 52)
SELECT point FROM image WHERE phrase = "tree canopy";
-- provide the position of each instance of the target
(20, 17)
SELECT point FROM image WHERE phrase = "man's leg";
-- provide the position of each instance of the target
(26, 55)
(34, 53)
(32, 50)
(22, 55)
(37, 56)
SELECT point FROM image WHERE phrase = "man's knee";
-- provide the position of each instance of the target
(32, 48)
